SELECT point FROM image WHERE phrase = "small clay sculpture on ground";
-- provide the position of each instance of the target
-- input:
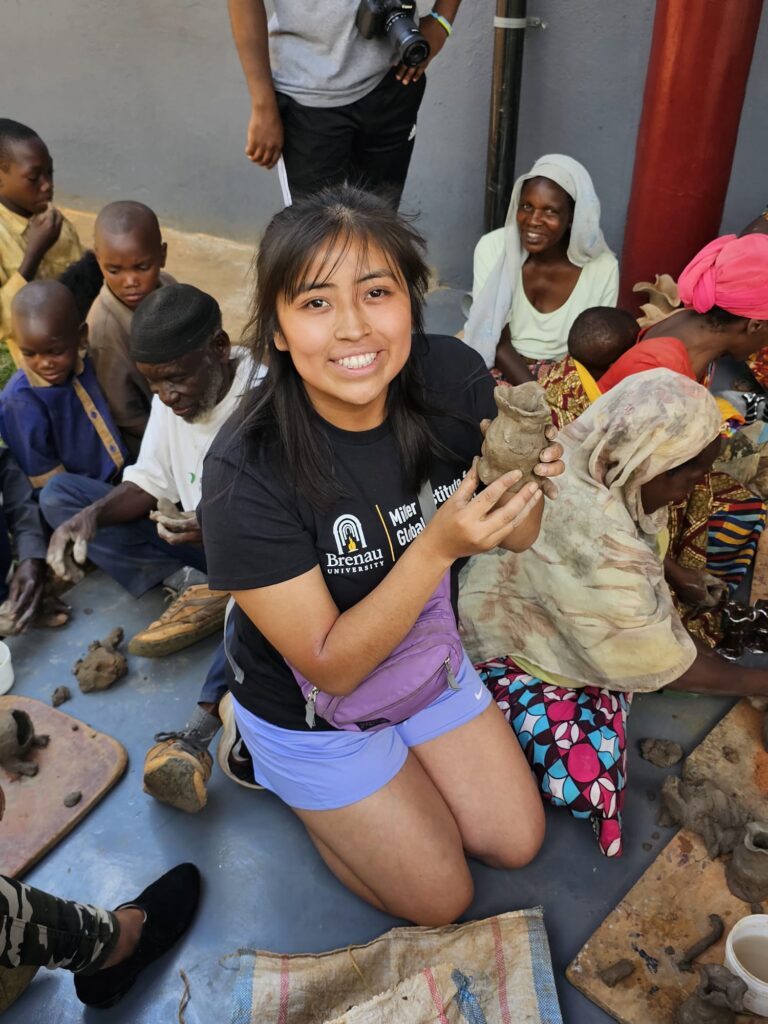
(747, 871)
(17, 738)
(685, 963)
(73, 798)
(61, 695)
(661, 753)
(705, 809)
(103, 664)
(617, 972)
(516, 437)
(718, 998)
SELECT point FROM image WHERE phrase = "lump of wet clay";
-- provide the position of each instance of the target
(747, 871)
(719, 996)
(515, 439)
(73, 798)
(617, 972)
(705, 809)
(661, 753)
(17, 737)
(60, 695)
(103, 664)
(685, 963)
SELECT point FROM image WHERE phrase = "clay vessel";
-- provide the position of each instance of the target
(747, 870)
(514, 440)
(16, 735)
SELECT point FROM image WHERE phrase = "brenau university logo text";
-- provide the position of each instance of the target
(353, 555)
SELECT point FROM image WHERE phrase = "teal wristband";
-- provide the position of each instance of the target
(443, 22)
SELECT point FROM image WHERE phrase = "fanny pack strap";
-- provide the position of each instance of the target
(426, 500)
(236, 669)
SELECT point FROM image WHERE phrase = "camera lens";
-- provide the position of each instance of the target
(412, 47)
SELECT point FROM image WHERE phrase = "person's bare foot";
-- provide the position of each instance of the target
(131, 921)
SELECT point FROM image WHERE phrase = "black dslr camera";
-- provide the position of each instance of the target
(394, 18)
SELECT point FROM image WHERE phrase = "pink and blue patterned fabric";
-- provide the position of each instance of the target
(575, 741)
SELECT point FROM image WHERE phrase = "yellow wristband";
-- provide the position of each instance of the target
(442, 21)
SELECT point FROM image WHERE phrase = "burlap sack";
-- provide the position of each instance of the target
(504, 963)
(428, 995)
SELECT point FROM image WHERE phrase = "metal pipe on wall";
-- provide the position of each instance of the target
(510, 24)
(701, 53)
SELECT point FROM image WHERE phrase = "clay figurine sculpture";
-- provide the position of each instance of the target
(102, 665)
(704, 809)
(718, 998)
(514, 440)
(617, 972)
(758, 639)
(747, 871)
(737, 625)
(685, 963)
(17, 738)
(661, 753)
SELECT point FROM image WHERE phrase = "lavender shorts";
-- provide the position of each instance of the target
(319, 771)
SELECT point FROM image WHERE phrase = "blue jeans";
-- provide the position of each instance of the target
(6, 555)
(133, 554)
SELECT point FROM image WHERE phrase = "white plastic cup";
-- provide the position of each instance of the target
(6, 668)
(749, 936)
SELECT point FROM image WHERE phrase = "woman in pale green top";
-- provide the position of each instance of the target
(535, 275)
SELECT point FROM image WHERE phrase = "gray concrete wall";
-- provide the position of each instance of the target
(583, 79)
(147, 100)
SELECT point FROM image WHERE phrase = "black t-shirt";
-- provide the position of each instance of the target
(258, 531)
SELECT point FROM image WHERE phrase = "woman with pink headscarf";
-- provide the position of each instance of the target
(724, 291)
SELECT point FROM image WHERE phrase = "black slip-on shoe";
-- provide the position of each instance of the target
(169, 905)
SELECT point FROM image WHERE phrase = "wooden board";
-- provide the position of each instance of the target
(77, 758)
(668, 908)
(759, 591)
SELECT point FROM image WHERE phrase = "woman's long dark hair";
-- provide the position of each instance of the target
(279, 412)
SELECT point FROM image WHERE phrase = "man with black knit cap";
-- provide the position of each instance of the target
(178, 344)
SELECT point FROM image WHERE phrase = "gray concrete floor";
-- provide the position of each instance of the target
(265, 887)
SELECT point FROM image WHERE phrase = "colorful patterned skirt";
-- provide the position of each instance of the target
(575, 741)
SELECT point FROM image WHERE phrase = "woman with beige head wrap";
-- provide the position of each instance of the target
(565, 632)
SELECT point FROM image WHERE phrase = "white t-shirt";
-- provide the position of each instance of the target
(170, 462)
(539, 335)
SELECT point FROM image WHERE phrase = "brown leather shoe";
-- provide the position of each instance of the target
(196, 613)
(175, 773)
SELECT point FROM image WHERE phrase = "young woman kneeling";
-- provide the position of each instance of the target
(316, 516)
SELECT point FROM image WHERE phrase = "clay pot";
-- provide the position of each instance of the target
(16, 735)
(514, 440)
(747, 870)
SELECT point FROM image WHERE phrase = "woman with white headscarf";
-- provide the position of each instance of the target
(535, 275)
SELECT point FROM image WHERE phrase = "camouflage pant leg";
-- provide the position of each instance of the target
(37, 929)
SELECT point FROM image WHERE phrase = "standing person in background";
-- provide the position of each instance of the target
(335, 105)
